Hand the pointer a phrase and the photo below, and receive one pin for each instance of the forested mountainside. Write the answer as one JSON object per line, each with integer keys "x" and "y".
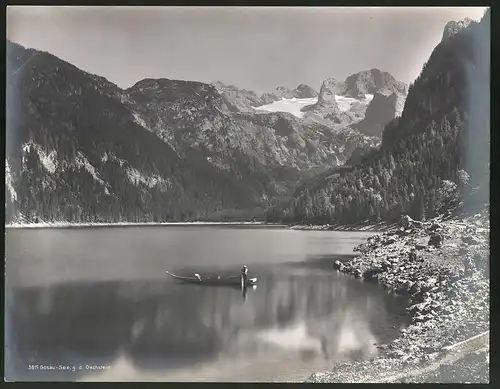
{"x": 81, "y": 149}
{"x": 436, "y": 153}
{"x": 75, "y": 153}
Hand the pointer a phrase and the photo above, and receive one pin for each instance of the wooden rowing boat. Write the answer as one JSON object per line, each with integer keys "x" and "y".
{"x": 215, "y": 280}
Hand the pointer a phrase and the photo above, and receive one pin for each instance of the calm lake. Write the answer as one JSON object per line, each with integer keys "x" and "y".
{"x": 95, "y": 304}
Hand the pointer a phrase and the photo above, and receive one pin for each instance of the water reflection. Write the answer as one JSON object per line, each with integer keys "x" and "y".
{"x": 155, "y": 329}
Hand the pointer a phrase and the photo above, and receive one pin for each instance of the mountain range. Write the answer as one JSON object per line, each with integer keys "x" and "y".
{"x": 339, "y": 104}
{"x": 81, "y": 149}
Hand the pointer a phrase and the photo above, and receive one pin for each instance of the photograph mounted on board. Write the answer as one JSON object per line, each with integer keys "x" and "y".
{"x": 247, "y": 194}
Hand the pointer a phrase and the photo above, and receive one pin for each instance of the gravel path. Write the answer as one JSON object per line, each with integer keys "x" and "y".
{"x": 449, "y": 365}
{"x": 471, "y": 368}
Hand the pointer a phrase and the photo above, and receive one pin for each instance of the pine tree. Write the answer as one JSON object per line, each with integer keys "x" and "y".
{"x": 392, "y": 165}
{"x": 421, "y": 209}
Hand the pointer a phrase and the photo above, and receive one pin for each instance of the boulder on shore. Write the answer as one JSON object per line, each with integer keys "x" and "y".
{"x": 372, "y": 274}
{"x": 435, "y": 240}
{"x": 470, "y": 240}
{"x": 338, "y": 265}
{"x": 435, "y": 226}
{"x": 407, "y": 223}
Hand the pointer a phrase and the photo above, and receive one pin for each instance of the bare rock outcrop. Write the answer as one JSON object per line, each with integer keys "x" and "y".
{"x": 370, "y": 82}
{"x": 381, "y": 110}
{"x": 304, "y": 91}
{"x": 327, "y": 107}
{"x": 454, "y": 27}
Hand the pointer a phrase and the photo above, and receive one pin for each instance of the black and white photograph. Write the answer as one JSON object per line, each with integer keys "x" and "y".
{"x": 247, "y": 194}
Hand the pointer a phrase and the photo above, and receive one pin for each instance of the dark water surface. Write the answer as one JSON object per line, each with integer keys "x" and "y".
{"x": 97, "y": 302}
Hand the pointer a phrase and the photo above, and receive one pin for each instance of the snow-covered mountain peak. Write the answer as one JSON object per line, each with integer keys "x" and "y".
{"x": 295, "y": 106}
{"x": 292, "y": 106}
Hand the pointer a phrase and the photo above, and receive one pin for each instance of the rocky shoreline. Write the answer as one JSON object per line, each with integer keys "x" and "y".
{"x": 368, "y": 226}
{"x": 127, "y": 224}
{"x": 442, "y": 266}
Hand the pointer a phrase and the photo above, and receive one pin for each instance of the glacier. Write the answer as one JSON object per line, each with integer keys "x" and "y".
{"x": 294, "y": 105}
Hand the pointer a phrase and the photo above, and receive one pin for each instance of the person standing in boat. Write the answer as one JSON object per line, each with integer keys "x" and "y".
{"x": 244, "y": 275}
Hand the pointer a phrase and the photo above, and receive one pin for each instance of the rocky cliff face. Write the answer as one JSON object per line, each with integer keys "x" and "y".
{"x": 381, "y": 110}
{"x": 238, "y": 99}
{"x": 268, "y": 98}
{"x": 304, "y": 91}
{"x": 347, "y": 103}
{"x": 182, "y": 113}
{"x": 284, "y": 138}
{"x": 329, "y": 89}
{"x": 371, "y": 82}
{"x": 284, "y": 93}
{"x": 326, "y": 109}
{"x": 454, "y": 27}
{"x": 279, "y": 93}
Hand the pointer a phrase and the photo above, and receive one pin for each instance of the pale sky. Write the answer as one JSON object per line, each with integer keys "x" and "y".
{"x": 256, "y": 48}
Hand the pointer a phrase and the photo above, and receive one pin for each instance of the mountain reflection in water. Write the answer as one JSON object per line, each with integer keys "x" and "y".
{"x": 160, "y": 330}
